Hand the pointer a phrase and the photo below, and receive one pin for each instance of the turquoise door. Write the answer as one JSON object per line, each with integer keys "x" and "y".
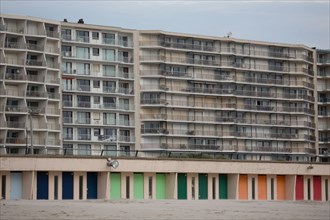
{"x": 182, "y": 186}
{"x": 202, "y": 186}
{"x": 223, "y": 186}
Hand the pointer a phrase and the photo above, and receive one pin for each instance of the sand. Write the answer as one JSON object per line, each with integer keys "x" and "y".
{"x": 163, "y": 209}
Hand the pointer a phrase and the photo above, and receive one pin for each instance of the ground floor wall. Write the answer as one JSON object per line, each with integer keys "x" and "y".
{"x": 151, "y": 179}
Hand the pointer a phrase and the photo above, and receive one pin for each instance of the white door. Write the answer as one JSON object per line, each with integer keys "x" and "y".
{"x": 16, "y": 186}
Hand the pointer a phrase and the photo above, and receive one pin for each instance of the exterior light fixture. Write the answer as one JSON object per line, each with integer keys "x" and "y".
{"x": 112, "y": 163}
{"x": 310, "y": 167}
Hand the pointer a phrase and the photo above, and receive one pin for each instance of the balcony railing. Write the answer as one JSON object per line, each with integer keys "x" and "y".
{"x": 12, "y": 76}
{"x": 15, "y": 124}
{"x": 83, "y": 121}
{"x": 36, "y": 94}
{"x": 34, "y": 47}
{"x": 109, "y": 89}
{"x": 67, "y": 120}
{"x": 35, "y": 63}
{"x": 14, "y": 45}
{"x": 15, "y": 108}
{"x": 36, "y": 78}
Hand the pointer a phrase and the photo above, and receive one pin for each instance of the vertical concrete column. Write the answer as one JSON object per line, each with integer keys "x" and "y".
{"x": 146, "y": 185}
{"x": 290, "y": 187}
{"x": 210, "y": 186}
{"x": 172, "y": 186}
{"x": 103, "y": 185}
{"x": 123, "y": 185}
{"x": 29, "y": 188}
{"x": 269, "y": 187}
{"x": 233, "y": 186}
{"x": 250, "y": 186}
{"x": 5, "y": 185}
{"x": 308, "y": 188}
{"x": 76, "y": 187}
{"x": 51, "y": 191}
{"x": 325, "y": 188}
{"x": 192, "y": 195}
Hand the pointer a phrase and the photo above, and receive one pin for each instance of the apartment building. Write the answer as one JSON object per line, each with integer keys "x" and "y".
{"x": 98, "y": 89}
{"x": 124, "y": 90}
{"x": 30, "y": 93}
{"x": 323, "y": 91}
{"x": 246, "y": 99}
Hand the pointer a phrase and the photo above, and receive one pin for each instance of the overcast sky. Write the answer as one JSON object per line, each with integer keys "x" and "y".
{"x": 284, "y": 21}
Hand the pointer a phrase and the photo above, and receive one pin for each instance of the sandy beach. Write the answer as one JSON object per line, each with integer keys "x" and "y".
{"x": 163, "y": 209}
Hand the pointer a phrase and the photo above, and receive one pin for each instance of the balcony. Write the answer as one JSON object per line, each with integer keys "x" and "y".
{"x": 15, "y": 140}
{"x": 15, "y": 108}
{"x": 53, "y": 95}
{"x": 67, "y": 103}
{"x": 86, "y": 137}
{"x": 16, "y": 124}
{"x": 323, "y": 60}
{"x": 35, "y": 78}
{"x": 52, "y": 34}
{"x": 66, "y": 37}
{"x": 14, "y": 45}
{"x": 85, "y": 88}
{"x": 126, "y": 139}
{"x": 83, "y": 121}
{"x": 67, "y": 120}
{"x": 15, "y": 76}
{"x": 324, "y": 100}
{"x": 68, "y": 136}
{"x": 36, "y": 94}
{"x": 84, "y": 104}
{"x": 125, "y": 59}
{"x": 35, "y": 63}
{"x": 34, "y": 47}
{"x": 84, "y": 39}
{"x": 109, "y": 89}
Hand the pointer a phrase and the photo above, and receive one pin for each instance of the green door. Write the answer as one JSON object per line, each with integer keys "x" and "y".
{"x": 182, "y": 186}
{"x": 138, "y": 186}
{"x": 223, "y": 186}
{"x": 160, "y": 186}
{"x": 202, "y": 186}
{"x": 115, "y": 186}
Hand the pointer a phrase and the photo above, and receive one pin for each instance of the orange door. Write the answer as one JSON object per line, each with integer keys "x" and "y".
{"x": 262, "y": 187}
{"x": 243, "y": 187}
{"x": 280, "y": 187}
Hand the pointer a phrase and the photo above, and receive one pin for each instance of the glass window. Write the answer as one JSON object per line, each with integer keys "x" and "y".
{"x": 109, "y": 118}
{"x": 108, "y": 55}
{"x": 83, "y": 117}
{"x": 97, "y": 132}
{"x": 82, "y": 52}
{"x": 84, "y": 149}
{"x": 95, "y": 35}
{"x": 96, "y": 51}
{"x": 96, "y": 83}
{"x": 97, "y": 99}
{"x": 84, "y": 134}
{"x": 67, "y": 133}
{"x": 68, "y": 149}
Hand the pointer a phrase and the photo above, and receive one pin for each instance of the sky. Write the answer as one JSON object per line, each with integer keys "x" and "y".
{"x": 284, "y": 21}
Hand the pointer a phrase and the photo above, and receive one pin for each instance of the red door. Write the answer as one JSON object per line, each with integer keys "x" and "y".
{"x": 300, "y": 188}
{"x": 317, "y": 188}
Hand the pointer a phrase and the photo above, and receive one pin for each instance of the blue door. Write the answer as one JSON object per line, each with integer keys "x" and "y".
{"x": 16, "y": 185}
{"x": 67, "y": 185}
{"x": 42, "y": 185}
{"x": 91, "y": 185}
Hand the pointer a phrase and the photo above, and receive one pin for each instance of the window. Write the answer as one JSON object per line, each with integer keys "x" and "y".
{"x": 83, "y": 68}
{"x": 108, "y": 55}
{"x": 84, "y": 149}
{"x": 83, "y": 117}
{"x": 109, "y": 70}
{"x": 95, "y": 35}
{"x": 84, "y": 134}
{"x": 109, "y": 118}
{"x": 67, "y": 100}
{"x": 82, "y": 52}
{"x": 96, "y": 99}
{"x": 96, "y": 83}
{"x": 68, "y": 149}
{"x": 108, "y": 38}
{"x": 97, "y": 132}
{"x": 67, "y": 117}
{"x": 68, "y": 133}
{"x": 84, "y": 101}
{"x": 109, "y": 102}
{"x": 109, "y": 86}
{"x": 96, "y": 52}
{"x": 82, "y": 36}
{"x": 83, "y": 85}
